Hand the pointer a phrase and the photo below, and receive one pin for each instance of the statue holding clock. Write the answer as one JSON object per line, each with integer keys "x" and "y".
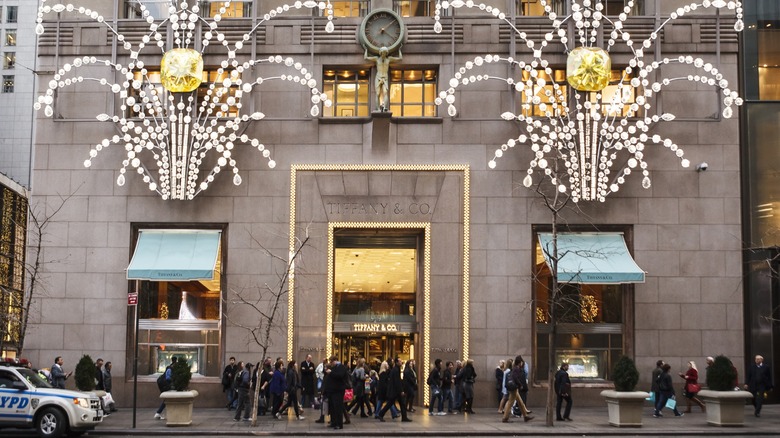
{"x": 382, "y": 34}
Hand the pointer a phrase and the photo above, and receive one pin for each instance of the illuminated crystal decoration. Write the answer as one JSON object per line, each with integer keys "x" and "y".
{"x": 598, "y": 138}
{"x": 181, "y": 70}
{"x": 178, "y": 133}
{"x": 588, "y": 69}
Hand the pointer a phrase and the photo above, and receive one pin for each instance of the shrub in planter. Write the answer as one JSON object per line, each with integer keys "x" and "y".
{"x": 180, "y": 375}
{"x": 721, "y": 375}
{"x": 86, "y": 373}
{"x": 625, "y": 375}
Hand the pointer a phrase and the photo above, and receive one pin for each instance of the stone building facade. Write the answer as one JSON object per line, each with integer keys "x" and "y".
{"x": 360, "y": 182}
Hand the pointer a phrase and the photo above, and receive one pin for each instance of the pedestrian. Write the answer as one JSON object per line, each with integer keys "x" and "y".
{"x": 264, "y": 399}
{"x": 515, "y": 382}
{"x": 338, "y": 381}
{"x": 359, "y": 393}
{"x": 99, "y": 384}
{"x": 468, "y": 378}
{"x": 758, "y": 381}
{"x": 319, "y": 372}
{"x": 278, "y": 386}
{"x": 500, "y": 379}
{"x": 243, "y": 383}
{"x": 458, "y": 385}
{"x": 395, "y": 392}
{"x": 666, "y": 390}
{"x": 293, "y": 383}
{"x": 108, "y": 385}
{"x": 410, "y": 384}
{"x": 508, "y": 364}
{"x": 308, "y": 384}
{"x": 434, "y": 382}
{"x": 654, "y": 382}
{"x": 563, "y": 392}
{"x": 228, "y": 376}
{"x": 381, "y": 390}
{"x": 692, "y": 387}
{"x": 447, "y": 380}
{"x": 164, "y": 384}
{"x": 58, "y": 375}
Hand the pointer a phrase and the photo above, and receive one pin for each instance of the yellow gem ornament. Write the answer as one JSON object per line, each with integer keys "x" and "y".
{"x": 588, "y": 69}
{"x": 181, "y": 70}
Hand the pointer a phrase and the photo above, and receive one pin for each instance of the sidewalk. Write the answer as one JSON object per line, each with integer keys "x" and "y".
{"x": 587, "y": 421}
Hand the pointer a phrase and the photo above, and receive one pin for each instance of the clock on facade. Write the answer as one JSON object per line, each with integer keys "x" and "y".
{"x": 382, "y": 28}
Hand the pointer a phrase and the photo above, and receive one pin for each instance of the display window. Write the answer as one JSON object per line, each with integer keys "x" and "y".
{"x": 591, "y": 322}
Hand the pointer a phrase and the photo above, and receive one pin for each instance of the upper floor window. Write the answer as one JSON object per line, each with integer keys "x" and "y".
{"x": 350, "y": 8}
{"x": 11, "y": 14}
{"x": 209, "y": 77}
{"x": 157, "y": 8}
{"x": 541, "y": 99}
{"x": 534, "y": 8}
{"x": 232, "y": 10}
{"x": 10, "y": 37}
{"x": 348, "y": 90}
{"x": 415, "y": 8}
{"x": 412, "y": 92}
{"x": 9, "y": 60}
{"x": 8, "y": 84}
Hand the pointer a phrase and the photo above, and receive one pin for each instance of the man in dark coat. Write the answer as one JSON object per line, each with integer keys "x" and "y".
{"x": 395, "y": 392}
{"x": 228, "y": 378}
{"x": 338, "y": 374}
{"x": 307, "y": 382}
{"x": 563, "y": 392}
{"x": 759, "y": 380}
{"x": 654, "y": 383}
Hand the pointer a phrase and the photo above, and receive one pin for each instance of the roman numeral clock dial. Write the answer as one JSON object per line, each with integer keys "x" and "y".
{"x": 382, "y": 28}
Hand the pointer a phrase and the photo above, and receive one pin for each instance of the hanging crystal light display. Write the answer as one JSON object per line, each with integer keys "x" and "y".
{"x": 168, "y": 133}
{"x": 598, "y": 147}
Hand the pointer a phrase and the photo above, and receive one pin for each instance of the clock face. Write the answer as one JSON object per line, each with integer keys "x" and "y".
{"x": 382, "y": 28}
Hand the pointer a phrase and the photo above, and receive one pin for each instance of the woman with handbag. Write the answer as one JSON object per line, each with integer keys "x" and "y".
{"x": 692, "y": 387}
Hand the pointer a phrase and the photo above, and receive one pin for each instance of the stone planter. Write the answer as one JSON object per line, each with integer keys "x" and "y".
{"x": 178, "y": 405}
{"x": 625, "y": 408}
{"x": 725, "y": 408}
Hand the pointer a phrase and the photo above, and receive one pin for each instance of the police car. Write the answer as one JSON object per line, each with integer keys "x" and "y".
{"x": 28, "y": 401}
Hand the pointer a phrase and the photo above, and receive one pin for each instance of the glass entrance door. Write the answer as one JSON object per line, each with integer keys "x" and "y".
{"x": 374, "y": 348}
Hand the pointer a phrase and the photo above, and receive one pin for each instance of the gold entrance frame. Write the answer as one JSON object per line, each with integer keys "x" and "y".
{"x": 426, "y": 263}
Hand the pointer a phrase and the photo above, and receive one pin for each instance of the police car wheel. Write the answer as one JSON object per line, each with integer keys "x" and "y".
{"x": 51, "y": 423}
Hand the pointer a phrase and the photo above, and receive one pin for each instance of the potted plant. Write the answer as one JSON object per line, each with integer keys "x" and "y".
{"x": 85, "y": 374}
{"x": 179, "y": 400}
{"x": 725, "y": 402}
{"x": 624, "y": 403}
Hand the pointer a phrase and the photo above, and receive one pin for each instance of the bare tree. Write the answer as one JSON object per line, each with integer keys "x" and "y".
{"x": 15, "y": 318}
{"x": 265, "y": 303}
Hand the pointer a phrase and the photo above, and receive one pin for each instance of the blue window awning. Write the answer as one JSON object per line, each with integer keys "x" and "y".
{"x": 592, "y": 258}
{"x": 174, "y": 255}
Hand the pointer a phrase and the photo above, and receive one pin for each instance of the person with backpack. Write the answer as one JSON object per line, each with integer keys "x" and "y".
{"x": 243, "y": 382}
{"x": 164, "y": 384}
{"x": 515, "y": 383}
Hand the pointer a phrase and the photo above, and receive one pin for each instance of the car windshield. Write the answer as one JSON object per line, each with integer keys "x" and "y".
{"x": 34, "y": 378}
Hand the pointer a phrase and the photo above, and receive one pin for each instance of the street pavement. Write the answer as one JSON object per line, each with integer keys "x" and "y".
{"x": 588, "y": 421}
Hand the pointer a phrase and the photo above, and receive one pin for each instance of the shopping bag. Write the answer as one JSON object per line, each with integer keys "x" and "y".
{"x": 348, "y": 394}
{"x": 671, "y": 403}
{"x": 651, "y": 399}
